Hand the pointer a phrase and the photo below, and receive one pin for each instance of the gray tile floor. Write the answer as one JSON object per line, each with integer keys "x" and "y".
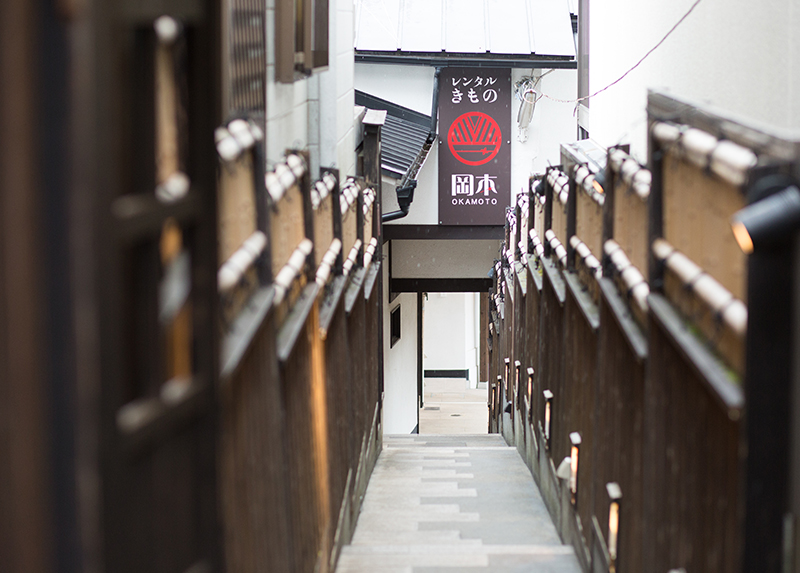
{"x": 451, "y": 407}
{"x": 453, "y": 503}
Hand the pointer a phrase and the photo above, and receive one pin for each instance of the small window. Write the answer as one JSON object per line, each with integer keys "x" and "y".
{"x": 301, "y": 38}
{"x": 394, "y": 325}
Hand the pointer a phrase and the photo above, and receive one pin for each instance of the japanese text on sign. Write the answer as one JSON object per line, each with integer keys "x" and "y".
{"x": 474, "y": 153}
{"x": 476, "y": 89}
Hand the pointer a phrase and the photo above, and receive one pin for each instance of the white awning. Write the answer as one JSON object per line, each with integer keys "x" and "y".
{"x": 492, "y": 27}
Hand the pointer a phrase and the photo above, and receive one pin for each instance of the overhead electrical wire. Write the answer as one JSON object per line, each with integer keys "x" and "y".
{"x": 636, "y": 65}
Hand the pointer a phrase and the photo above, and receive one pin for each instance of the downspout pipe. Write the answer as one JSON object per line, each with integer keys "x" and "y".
{"x": 434, "y": 105}
{"x": 405, "y": 191}
{"x": 405, "y": 195}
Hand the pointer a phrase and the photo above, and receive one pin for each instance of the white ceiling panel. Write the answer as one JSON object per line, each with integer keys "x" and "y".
{"x": 377, "y": 25}
{"x": 465, "y": 28}
{"x": 552, "y": 28}
{"x": 422, "y": 26}
{"x": 508, "y": 27}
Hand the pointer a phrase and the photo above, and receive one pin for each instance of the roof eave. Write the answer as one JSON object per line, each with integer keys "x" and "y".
{"x": 465, "y": 60}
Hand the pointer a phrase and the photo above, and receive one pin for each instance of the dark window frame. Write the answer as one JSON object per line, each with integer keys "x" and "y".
{"x": 395, "y": 319}
{"x": 301, "y": 38}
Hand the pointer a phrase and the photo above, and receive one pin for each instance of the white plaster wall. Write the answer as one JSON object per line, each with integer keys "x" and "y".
{"x": 424, "y": 258}
{"x": 400, "y": 410}
{"x": 445, "y": 331}
{"x": 337, "y": 137}
{"x": 409, "y": 86}
{"x": 451, "y": 334}
{"x": 739, "y": 55}
{"x": 425, "y": 208}
{"x": 471, "y": 333}
{"x": 551, "y": 125}
{"x": 315, "y": 113}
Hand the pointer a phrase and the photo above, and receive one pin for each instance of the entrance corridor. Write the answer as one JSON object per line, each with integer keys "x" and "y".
{"x": 453, "y": 503}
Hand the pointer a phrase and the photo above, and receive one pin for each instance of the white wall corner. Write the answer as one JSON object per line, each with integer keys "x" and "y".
{"x": 583, "y": 116}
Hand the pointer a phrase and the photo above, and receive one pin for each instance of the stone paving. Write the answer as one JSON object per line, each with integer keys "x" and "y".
{"x": 452, "y": 407}
{"x": 453, "y": 503}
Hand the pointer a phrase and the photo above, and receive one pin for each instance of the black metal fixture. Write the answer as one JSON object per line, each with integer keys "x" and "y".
{"x": 768, "y": 221}
{"x": 405, "y": 196}
{"x": 765, "y": 230}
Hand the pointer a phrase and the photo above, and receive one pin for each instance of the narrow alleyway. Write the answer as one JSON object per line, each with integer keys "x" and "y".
{"x": 441, "y": 504}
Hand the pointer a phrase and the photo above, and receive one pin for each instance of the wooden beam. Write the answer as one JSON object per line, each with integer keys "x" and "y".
{"x": 442, "y": 232}
{"x": 441, "y": 285}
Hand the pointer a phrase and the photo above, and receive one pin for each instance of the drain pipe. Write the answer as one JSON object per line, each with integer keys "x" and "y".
{"x": 434, "y": 105}
{"x": 405, "y": 195}
{"x": 405, "y": 191}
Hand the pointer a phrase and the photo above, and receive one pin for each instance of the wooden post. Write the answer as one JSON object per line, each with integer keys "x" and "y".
{"x": 548, "y": 209}
{"x": 420, "y": 358}
{"x": 655, "y": 204}
{"x": 608, "y": 214}
{"x": 373, "y": 121}
{"x": 26, "y": 510}
{"x": 531, "y": 216}
{"x": 264, "y": 264}
{"x": 308, "y": 216}
{"x": 572, "y": 207}
{"x": 337, "y": 216}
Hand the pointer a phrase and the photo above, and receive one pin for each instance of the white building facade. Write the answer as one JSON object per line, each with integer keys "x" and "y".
{"x": 398, "y": 48}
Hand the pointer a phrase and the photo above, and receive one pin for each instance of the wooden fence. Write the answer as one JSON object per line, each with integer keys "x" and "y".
{"x": 620, "y": 309}
{"x": 190, "y": 370}
{"x": 301, "y": 419}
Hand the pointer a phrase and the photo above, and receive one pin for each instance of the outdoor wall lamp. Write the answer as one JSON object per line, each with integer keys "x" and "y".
{"x": 575, "y": 438}
{"x": 507, "y": 374}
{"x": 517, "y": 372}
{"x": 767, "y": 221}
{"x": 615, "y": 497}
{"x": 530, "y": 384}
{"x": 599, "y": 181}
{"x": 548, "y": 407}
{"x": 765, "y": 230}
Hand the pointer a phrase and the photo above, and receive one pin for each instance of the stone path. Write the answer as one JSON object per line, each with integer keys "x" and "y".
{"x": 451, "y": 407}
{"x": 455, "y": 503}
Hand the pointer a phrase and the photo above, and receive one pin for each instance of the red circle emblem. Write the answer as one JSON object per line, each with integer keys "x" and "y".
{"x": 474, "y": 138}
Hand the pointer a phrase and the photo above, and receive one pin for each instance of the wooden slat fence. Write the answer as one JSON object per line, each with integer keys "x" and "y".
{"x": 301, "y": 373}
{"x": 627, "y": 297}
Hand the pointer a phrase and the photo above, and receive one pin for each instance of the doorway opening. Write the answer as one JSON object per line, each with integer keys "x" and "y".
{"x": 453, "y": 395}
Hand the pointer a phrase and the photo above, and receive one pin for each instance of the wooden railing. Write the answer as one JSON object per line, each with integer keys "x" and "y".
{"x": 301, "y": 379}
{"x": 617, "y": 346}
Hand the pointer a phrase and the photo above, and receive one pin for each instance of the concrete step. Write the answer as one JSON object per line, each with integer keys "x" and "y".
{"x": 449, "y": 503}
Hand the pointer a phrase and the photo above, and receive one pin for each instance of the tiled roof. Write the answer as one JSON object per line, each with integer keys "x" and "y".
{"x": 403, "y": 135}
